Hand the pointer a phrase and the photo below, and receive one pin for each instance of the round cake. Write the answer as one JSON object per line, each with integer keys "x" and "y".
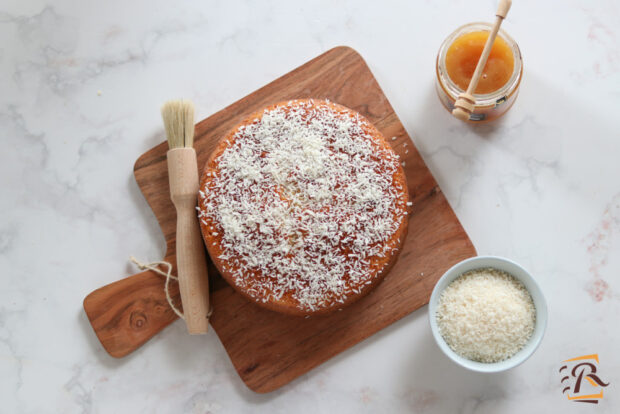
{"x": 303, "y": 207}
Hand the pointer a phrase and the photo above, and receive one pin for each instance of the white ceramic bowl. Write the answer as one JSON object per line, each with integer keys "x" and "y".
{"x": 516, "y": 271}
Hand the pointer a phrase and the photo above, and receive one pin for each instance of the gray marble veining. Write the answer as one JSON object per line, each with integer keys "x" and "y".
{"x": 80, "y": 89}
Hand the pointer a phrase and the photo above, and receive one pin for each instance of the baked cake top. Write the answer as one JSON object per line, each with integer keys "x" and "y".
{"x": 301, "y": 204}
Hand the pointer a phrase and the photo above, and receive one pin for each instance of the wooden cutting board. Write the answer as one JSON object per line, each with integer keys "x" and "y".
{"x": 267, "y": 349}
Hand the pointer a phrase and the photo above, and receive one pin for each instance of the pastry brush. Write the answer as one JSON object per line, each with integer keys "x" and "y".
{"x": 178, "y": 119}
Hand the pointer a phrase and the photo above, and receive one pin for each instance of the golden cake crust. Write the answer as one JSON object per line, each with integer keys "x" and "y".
{"x": 214, "y": 235}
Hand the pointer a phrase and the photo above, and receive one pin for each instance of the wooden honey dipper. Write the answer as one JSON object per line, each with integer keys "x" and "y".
{"x": 466, "y": 103}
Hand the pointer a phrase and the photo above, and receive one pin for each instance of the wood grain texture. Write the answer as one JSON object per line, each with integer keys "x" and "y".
{"x": 127, "y": 313}
{"x": 191, "y": 257}
{"x": 267, "y": 349}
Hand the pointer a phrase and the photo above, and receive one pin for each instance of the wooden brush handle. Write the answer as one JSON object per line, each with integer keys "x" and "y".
{"x": 466, "y": 103}
{"x": 191, "y": 260}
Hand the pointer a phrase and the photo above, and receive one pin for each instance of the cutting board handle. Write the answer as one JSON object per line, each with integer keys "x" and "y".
{"x": 127, "y": 313}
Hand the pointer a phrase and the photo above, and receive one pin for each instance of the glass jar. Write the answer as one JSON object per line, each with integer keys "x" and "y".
{"x": 489, "y": 106}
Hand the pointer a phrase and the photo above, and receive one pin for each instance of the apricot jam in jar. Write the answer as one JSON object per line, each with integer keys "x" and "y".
{"x": 499, "y": 84}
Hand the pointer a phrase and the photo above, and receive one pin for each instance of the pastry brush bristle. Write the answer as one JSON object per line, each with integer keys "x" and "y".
{"x": 178, "y": 118}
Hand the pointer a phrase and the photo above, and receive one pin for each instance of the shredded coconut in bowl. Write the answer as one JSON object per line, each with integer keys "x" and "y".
{"x": 486, "y": 315}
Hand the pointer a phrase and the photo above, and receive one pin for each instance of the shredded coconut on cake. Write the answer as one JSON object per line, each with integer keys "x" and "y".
{"x": 304, "y": 202}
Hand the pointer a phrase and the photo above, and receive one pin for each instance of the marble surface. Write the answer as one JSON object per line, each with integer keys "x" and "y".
{"x": 80, "y": 89}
